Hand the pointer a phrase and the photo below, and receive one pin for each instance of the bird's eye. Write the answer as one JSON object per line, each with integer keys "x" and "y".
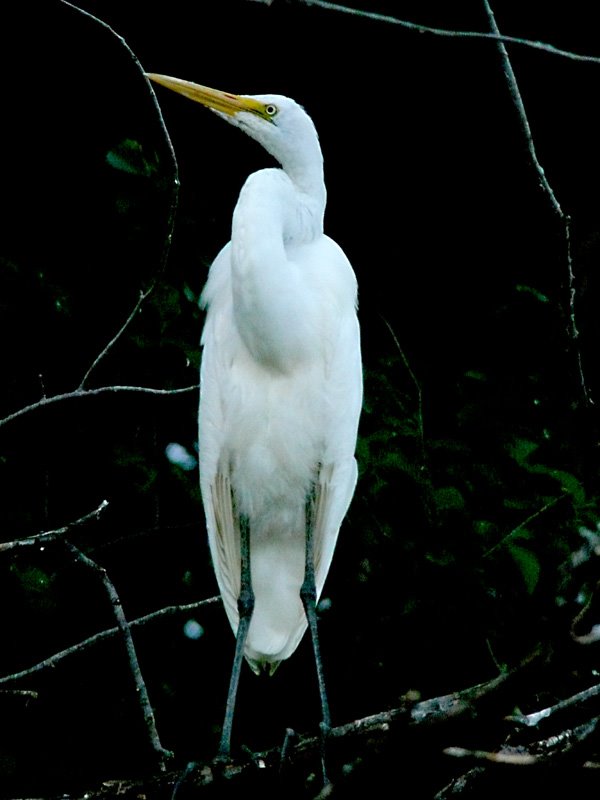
{"x": 271, "y": 110}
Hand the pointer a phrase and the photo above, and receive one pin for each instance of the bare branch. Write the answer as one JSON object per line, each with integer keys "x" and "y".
{"x": 531, "y": 518}
{"x": 170, "y": 223}
{"x": 543, "y": 750}
{"x": 518, "y": 101}
{"x": 368, "y": 732}
{"x": 117, "y": 336}
{"x": 79, "y": 393}
{"x": 505, "y": 756}
{"x": 417, "y": 386}
{"x": 163, "y": 127}
{"x": 425, "y": 473}
{"x": 123, "y": 625}
{"x": 454, "y": 34}
{"x": 28, "y": 694}
{"x": 55, "y": 659}
{"x": 545, "y": 184}
{"x": 577, "y": 702}
{"x": 566, "y": 741}
{"x": 48, "y": 536}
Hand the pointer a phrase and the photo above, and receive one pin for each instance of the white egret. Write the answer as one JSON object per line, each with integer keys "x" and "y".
{"x": 281, "y": 391}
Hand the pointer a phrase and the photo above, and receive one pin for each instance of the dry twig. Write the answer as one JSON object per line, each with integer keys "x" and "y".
{"x": 549, "y": 192}
{"x": 101, "y": 636}
{"x": 81, "y": 391}
{"x": 123, "y": 625}
{"x": 46, "y": 537}
{"x": 453, "y": 34}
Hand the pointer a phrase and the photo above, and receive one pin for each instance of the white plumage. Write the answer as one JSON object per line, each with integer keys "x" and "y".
{"x": 281, "y": 382}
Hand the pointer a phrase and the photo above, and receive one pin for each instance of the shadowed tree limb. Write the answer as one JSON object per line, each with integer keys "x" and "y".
{"x": 49, "y": 536}
{"x": 26, "y": 694}
{"x": 449, "y": 33}
{"x": 80, "y": 393}
{"x": 123, "y": 625}
{"x": 549, "y": 192}
{"x": 117, "y": 336}
{"x": 427, "y": 722}
{"x": 53, "y": 660}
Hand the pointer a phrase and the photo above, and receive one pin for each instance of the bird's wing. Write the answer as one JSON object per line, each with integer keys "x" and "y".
{"x": 221, "y": 520}
{"x": 336, "y": 479}
{"x": 224, "y": 538}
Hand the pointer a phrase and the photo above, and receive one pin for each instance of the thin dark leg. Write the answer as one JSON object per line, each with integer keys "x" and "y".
{"x": 308, "y": 594}
{"x": 290, "y": 735}
{"x": 245, "y": 608}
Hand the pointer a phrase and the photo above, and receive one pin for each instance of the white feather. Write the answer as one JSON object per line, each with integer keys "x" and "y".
{"x": 281, "y": 385}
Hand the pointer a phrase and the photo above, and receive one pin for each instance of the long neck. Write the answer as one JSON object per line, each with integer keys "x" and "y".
{"x": 308, "y": 180}
{"x": 301, "y": 160}
{"x": 272, "y": 219}
{"x": 304, "y": 201}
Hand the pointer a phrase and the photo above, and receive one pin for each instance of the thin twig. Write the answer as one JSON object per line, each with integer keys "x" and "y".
{"x": 372, "y": 729}
{"x": 80, "y": 393}
{"x": 506, "y": 756}
{"x": 170, "y": 222}
{"x": 536, "y": 514}
{"x": 568, "y": 705}
{"x": 515, "y": 94}
{"x": 159, "y": 116}
{"x": 454, "y": 34}
{"x": 544, "y": 750}
{"x": 573, "y": 327}
{"x": 417, "y": 385}
{"x": 425, "y": 474}
{"x": 501, "y": 39}
{"x": 117, "y": 336}
{"x": 48, "y": 536}
{"x": 547, "y": 188}
{"x": 56, "y": 658}
{"x": 140, "y": 686}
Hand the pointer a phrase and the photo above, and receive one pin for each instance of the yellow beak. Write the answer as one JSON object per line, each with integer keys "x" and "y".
{"x": 230, "y": 104}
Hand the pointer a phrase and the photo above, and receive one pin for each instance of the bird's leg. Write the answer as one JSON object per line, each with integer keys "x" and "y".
{"x": 308, "y": 594}
{"x": 245, "y": 609}
{"x": 290, "y": 735}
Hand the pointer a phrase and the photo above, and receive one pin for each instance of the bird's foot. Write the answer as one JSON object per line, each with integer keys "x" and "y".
{"x": 288, "y": 740}
{"x": 182, "y": 779}
{"x": 325, "y": 730}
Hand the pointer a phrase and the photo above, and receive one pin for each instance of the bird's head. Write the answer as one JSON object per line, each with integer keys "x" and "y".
{"x": 278, "y": 123}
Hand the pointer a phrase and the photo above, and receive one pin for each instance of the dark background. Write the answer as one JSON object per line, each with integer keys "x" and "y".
{"x": 455, "y": 560}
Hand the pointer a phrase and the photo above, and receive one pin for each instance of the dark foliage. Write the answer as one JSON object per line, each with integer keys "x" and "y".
{"x": 471, "y": 540}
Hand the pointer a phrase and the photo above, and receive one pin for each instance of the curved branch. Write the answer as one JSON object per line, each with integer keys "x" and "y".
{"x": 79, "y": 393}
{"x": 26, "y": 694}
{"x": 55, "y": 659}
{"x": 117, "y": 336}
{"x": 124, "y": 629}
{"x": 515, "y": 94}
{"x": 48, "y": 536}
{"x": 454, "y": 34}
{"x": 513, "y": 87}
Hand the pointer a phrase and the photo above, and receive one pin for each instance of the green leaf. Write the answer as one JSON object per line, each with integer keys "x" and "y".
{"x": 521, "y": 449}
{"x": 569, "y": 484}
{"x": 32, "y": 579}
{"x": 533, "y": 292}
{"x": 528, "y": 564}
{"x": 448, "y": 498}
{"x": 483, "y": 527}
{"x": 128, "y": 156}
